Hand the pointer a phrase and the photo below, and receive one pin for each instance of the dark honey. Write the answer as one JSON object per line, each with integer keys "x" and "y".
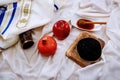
{"x": 81, "y": 24}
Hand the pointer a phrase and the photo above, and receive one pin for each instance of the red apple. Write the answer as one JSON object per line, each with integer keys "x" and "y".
{"x": 47, "y": 46}
{"x": 61, "y": 29}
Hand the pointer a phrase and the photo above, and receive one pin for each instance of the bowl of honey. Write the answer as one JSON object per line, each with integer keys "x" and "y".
{"x": 86, "y": 24}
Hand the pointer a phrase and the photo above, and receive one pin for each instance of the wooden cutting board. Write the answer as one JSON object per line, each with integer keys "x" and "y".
{"x": 72, "y": 53}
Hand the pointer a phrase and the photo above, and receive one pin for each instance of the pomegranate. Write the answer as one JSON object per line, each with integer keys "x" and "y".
{"x": 47, "y": 46}
{"x": 61, "y": 29}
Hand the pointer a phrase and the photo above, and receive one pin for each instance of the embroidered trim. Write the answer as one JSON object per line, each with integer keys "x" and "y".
{"x": 25, "y": 14}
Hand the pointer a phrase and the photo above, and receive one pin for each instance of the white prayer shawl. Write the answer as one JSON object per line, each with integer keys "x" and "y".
{"x": 24, "y": 15}
{"x": 17, "y": 16}
{"x": 4, "y": 2}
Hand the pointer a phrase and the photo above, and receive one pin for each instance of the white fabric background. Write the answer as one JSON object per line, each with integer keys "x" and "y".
{"x": 19, "y": 64}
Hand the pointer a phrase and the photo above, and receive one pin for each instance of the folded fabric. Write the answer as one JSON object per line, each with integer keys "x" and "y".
{"x": 60, "y": 3}
{"x": 4, "y": 2}
{"x": 111, "y": 68}
{"x": 23, "y": 15}
{"x": 4, "y": 44}
{"x": 96, "y": 8}
{"x": 10, "y": 76}
{"x": 113, "y": 27}
{"x": 17, "y": 16}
